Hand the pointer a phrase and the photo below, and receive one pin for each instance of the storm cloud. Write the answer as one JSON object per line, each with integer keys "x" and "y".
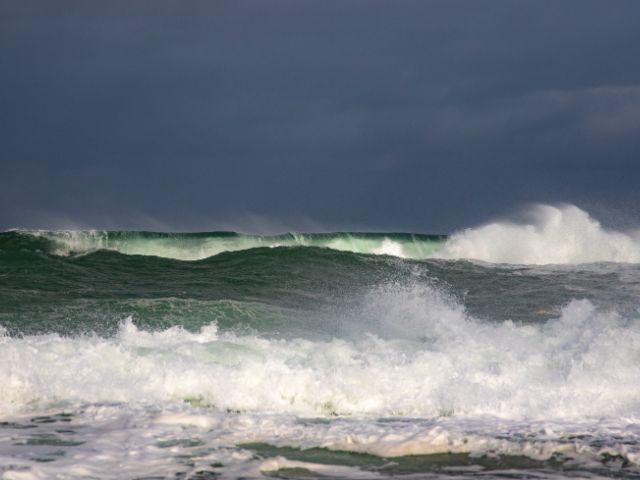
{"x": 398, "y": 115}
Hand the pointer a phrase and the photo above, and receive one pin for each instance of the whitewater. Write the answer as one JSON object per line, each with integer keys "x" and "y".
{"x": 507, "y": 350}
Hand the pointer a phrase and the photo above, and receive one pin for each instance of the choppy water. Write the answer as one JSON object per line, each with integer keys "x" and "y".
{"x": 510, "y": 350}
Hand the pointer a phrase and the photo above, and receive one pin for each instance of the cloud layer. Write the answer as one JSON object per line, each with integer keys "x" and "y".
{"x": 405, "y": 115}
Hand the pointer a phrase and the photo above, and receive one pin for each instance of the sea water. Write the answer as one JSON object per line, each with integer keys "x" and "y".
{"x": 510, "y": 350}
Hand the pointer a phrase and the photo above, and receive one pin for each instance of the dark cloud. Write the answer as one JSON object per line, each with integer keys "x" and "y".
{"x": 403, "y": 115}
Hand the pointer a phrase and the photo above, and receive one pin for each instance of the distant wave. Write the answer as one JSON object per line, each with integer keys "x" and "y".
{"x": 196, "y": 246}
{"x": 562, "y": 234}
{"x": 557, "y": 235}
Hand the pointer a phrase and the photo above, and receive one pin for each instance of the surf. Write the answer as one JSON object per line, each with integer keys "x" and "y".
{"x": 409, "y": 351}
{"x": 550, "y": 234}
{"x": 336, "y": 354}
{"x": 553, "y": 234}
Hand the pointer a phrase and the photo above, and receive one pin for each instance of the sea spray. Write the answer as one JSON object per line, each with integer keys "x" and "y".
{"x": 556, "y": 235}
{"x": 428, "y": 359}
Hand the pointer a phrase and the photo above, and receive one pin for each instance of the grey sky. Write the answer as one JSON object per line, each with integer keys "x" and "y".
{"x": 396, "y": 115}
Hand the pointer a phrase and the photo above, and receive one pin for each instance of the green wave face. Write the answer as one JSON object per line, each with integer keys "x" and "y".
{"x": 289, "y": 290}
{"x": 50, "y": 284}
{"x": 197, "y": 246}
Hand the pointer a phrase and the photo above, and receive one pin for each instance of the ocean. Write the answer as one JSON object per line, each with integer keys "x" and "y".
{"x": 509, "y": 350}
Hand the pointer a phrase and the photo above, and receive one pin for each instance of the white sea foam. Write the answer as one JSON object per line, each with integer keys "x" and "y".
{"x": 128, "y": 441}
{"x": 428, "y": 358}
{"x": 177, "y": 402}
{"x": 389, "y": 247}
{"x": 561, "y": 234}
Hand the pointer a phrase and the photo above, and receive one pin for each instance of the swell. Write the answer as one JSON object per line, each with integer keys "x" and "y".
{"x": 268, "y": 289}
{"x": 288, "y": 291}
{"x": 549, "y": 234}
{"x": 200, "y": 245}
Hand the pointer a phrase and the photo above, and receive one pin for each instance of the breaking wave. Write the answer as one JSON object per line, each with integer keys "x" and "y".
{"x": 561, "y": 234}
{"x": 427, "y": 357}
{"x": 555, "y": 235}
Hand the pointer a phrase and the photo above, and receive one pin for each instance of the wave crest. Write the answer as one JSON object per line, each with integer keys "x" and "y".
{"x": 556, "y": 235}
{"x": 197, "y": 246}
{"x": 562, "y": 234}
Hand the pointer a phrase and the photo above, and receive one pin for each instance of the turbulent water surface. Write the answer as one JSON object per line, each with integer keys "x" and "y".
{"x": 508, "y": 350}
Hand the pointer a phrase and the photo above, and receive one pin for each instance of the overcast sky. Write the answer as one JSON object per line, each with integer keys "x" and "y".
{"x": 420, "y": 116}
